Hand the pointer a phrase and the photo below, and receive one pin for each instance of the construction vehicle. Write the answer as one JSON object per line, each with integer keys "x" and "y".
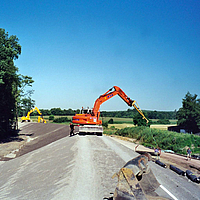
{"x": 89, "y": 118}
{"x": 27, "y": 118}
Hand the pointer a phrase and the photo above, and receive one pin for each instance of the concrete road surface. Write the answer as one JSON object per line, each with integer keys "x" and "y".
{"x": 80, "y": 167}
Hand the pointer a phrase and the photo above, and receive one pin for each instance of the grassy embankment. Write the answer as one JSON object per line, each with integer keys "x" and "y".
{"x": 157, "y": 135}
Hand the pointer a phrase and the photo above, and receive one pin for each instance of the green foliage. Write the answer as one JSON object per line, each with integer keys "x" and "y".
{"x": 11, "y": 84}
{"x": 138, "y": 120}
{"x": 9, "y": 51}
{"x": 189, "y": 115}
{"x": 60, "y": 112}
{"x": 130, "y": 113}
{"x": 109, "y": 131}
{"x": 51, "y": 117}
{"x": 110, "y": 121}
{"x": 177, "y": 142}
{"x": 61, "y": 120}
{"x": 105, "y": 124}
{"x": 25, "y": 103}
{"x": 163, "y": 121}
{"x": 9, "y": 81}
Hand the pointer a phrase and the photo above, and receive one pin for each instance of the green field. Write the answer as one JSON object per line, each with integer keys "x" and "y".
{"x": 118, "y": 123}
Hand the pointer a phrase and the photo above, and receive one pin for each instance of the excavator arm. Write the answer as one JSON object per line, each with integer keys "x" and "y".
{"x": 111, "y": 93}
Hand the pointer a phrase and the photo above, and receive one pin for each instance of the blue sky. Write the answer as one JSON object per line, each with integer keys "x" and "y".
{"x": 77, "y": 50}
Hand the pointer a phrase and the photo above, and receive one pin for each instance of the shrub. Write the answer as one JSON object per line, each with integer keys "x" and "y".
{"x": 61, "y": 120}
{"x": 105, "y": 124}
{"x": 163, "y": 121}
{"x": 110, "y": 121}
{"x": 51, "y": 117}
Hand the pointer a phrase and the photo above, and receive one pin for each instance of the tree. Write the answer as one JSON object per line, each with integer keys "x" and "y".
{"x": 10, "y": 81}
{"x": 24, "y": 101}
{"x": 9, "y": 51}
{"x": 189, "y": 115}
{"x": 138, "y": 120}
{"x": 110, "y": 121}
{"x": 51, "y": 117}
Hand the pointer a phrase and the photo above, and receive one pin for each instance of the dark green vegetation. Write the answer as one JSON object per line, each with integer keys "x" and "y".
{"x": 12, "y": 84}
{"x": 51, "y": 117}
{"x": 61, "y": 120}
{"x": 189, "y": 115}
{"x": 178, "y": 142}
{"x": 130, "y": 113}
{"x": 57, "y": 112}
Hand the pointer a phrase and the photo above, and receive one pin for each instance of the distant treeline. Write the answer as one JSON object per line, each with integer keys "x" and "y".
{"x": 130, "y": 113}
{"x": 53, "y": 111}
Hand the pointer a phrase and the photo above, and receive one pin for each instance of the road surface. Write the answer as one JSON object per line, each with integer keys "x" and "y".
{"x": 80, "y": 167}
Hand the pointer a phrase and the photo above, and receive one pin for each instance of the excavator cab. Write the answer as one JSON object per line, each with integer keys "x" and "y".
{"x": 86, "y": 110}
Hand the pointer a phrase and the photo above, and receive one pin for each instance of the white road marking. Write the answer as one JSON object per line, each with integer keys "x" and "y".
{"x": 168, "y": 192}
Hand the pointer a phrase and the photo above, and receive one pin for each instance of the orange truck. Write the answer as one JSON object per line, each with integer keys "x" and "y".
{"x": 89, "y": 118}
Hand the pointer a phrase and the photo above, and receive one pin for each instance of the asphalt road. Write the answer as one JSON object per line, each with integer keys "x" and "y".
{"x": 80, "y": 167}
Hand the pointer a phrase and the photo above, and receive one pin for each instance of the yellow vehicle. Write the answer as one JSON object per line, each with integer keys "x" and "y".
{"x": 27, "y": 118}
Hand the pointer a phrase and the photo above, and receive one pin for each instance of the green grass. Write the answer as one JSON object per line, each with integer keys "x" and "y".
{"x": 178, "y": 142}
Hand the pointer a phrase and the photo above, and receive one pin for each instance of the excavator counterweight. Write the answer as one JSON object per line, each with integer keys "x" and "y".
{"x": 89, "y": 119}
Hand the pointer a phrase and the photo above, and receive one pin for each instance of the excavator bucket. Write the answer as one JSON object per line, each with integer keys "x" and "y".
{"x": 136, "y": 181}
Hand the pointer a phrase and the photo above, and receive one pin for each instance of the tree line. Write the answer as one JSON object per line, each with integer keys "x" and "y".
{"x": 52, "y": 111}
{"x": 130, "y": 113}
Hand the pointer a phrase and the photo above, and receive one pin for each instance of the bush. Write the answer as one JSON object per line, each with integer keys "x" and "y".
{"x": 105, "y": 124}
{"x": 163, "y": 121}
{"x": 61, "y": 120}
{"x": 51, "y": 117}
{"x": 110, "y": 121}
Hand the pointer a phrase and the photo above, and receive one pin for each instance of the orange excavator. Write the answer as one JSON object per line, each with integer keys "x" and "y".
{"x": 89, "y": 118}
